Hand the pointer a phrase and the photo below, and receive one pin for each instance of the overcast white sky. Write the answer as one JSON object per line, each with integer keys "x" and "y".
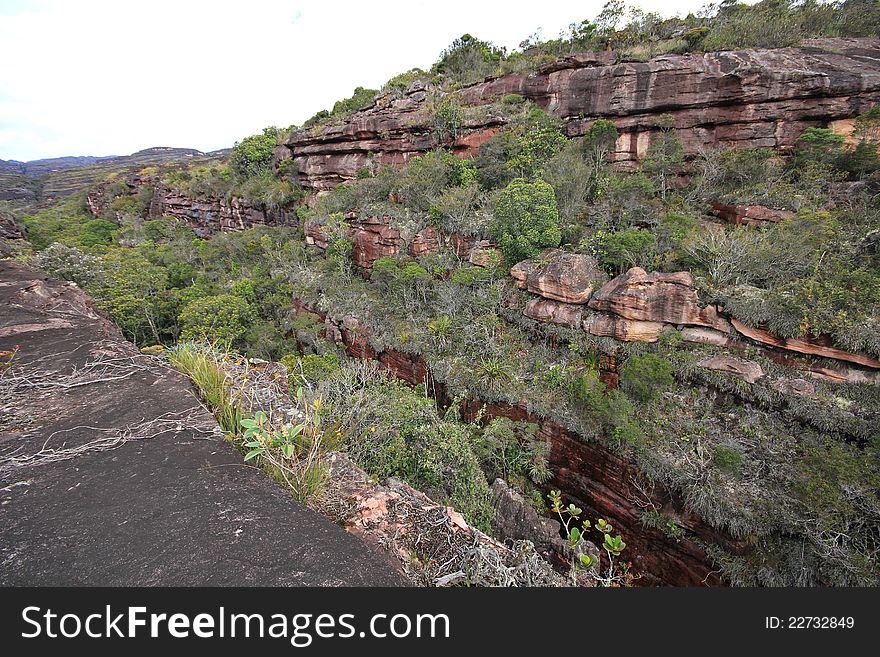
{"x": 110, "y": 77}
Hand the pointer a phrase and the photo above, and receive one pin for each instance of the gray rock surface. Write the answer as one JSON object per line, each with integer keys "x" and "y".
{"x": 112, "y": 473}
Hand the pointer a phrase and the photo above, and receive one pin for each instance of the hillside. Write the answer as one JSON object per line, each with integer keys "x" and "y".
{"x": 52, "y": 179}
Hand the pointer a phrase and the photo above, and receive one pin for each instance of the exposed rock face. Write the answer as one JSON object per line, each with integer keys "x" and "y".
{"x": 702, "y": 335}
{"x": 811, "y": 346}
{"x": 555, "y": 312}
{"x": 628, "y": 330}
{"x": 561, "y": 276}
{"x": 404, "y": 522}
{"x": 206, "y": 214}
{"x": 747, "y": 98}
{"x": 799, "y": 387}
{"x": 749, "y": 215}
{"x": 516, "y": 519}
{"x": 655, "y": 297}
{"x": 424, "y": 242}
{"x": 8, "y": 227}
{"x": 745, "y": 370}
{"x": 372, "y": 239}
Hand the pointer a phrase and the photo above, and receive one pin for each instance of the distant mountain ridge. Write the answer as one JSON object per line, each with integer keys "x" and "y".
{"x": 56, "y": 177}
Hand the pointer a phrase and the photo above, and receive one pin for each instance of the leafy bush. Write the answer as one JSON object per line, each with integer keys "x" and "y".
{"x": 617, "y": 252}
{"x": 358, "y": 100}
{"x": 525, "y": 219}
{"x": 448, "y": 119}
{"x": 252, "y": 156}
{"x": 468, "y": 60}
{"x": 223, "y": 318}
{"x": 645, "y": 376}
{"x": 69, "y": 263}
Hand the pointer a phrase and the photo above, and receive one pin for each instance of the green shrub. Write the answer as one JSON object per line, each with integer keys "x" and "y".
{"x": 643, "y": 377}
{"x": 360, "y": 99}
{"x": 448, "y": 119}
{"x": 617, "y": 252}
{"x": 727, "y": 459}
{"x": 468, "y": 60}
{"x": 525, "y": 219}
{"x": 223, "y": 318}
{"x": 310, "y": 369}
{"x": 252, "y": 156}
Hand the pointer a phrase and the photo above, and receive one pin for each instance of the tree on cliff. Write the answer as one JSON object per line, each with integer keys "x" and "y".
{"x": 525, "y": 219}
{"x": 252, "y": 155}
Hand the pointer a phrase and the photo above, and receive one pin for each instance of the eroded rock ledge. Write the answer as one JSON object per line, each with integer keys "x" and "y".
{"x": 747, "y": 98}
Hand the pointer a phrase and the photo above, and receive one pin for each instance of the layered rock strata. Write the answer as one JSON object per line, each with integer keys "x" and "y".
{"x": 752, "y": 98}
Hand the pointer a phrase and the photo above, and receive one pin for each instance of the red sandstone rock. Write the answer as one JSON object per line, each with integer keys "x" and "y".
{"x": 811, "y": 346}
{"x": 315, "y": 234}
{"x": 702, "y": 335}
{"x": 656, "y": 297}
{"x": 411, "y": 369}
{"x": 373, "y": 239}
{"x": 555, "y": 312}
{"x": 424, "y": 242}
{"x": 746, "y": 98}
{"x": 485, "y": 253}
{"x": 561, "y": 276}
{"x": 745, "y": 370}
{"x": 750, "y": 214}
{"x": 628, "y": 330}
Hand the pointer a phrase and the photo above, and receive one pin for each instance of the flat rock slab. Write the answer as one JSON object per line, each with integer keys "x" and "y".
{"x": 112, "y": 473}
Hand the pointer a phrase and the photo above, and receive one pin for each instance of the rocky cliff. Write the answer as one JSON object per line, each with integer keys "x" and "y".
{"x": 206, "y": 214}
{"x": 748, "y": 98}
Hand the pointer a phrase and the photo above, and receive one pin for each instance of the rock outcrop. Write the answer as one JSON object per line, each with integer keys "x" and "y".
{"x": 402, "y": 521}
{"x": 206, "y": 214}
{"x": 560, "y": 276}
{"x": 742, "y": 369}
{"x": 749, "y": 215}
{"x": 746, "y": 98}
{"x": 555, "y": 312}
{"x": 656, "y": 297}
{"x": 811, "y": 346}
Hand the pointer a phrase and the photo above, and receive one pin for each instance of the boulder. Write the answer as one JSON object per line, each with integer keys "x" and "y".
{"x": 742, "y": 369}
{"x": 656, "y": 297}
{"x": 749, "y": 214}
{"x": 516, "y": 520}
{"x": 628, "y": 330}
{"x": 798, "y": 387}
{"x": 555, "y": 312}
{"x": 561, "y": 276}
